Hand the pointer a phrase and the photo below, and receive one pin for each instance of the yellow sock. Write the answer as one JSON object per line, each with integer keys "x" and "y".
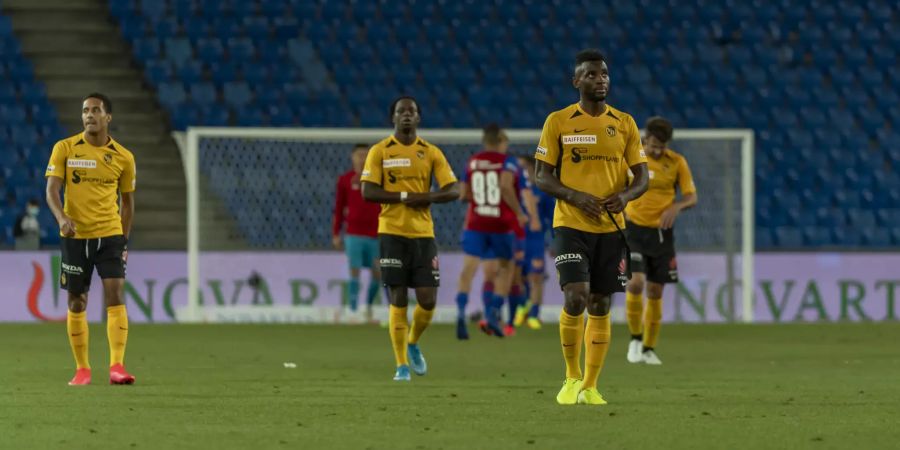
{"x": 77, "y": 328}
{"x": 571, "y": 330}
{"x": 596, "y": 343}
{"x": 421, "y": 320}
{"x": 398, "y": 324}
{"x": 117, "y": 332}
{"x": 652, "y": 322}
{"x": 634, "y": 309}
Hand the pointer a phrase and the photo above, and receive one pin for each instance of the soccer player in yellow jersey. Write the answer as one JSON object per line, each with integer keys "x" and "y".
{"x": 94, "y": 169}
{"x": 582, "y": 160}
{"x": 398, "y": 174}
{"x": 652, "y": 240}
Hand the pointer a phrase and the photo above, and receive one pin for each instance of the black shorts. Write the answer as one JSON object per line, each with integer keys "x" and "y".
{"x": 410, "y": 262}
{"x": 597, "y": 258}
{"x": 653, "y": 253}
{"x": 80, "y": 256}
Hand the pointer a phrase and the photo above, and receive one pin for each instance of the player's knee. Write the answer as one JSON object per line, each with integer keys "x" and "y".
{"x": 635, "y": 285}
{"x": 397, "y": 296}
{"x": 426, "y": 298}
{"x": 576, "y": 299}
{"x": 427, "y": 304}
{"x": 599, "y": 305}
{"x": 77, "y": 302}
{"x": 654, "y": 290}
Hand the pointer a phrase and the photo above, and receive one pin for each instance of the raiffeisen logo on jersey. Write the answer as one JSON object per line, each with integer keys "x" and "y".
{"x": 579, "y": 139}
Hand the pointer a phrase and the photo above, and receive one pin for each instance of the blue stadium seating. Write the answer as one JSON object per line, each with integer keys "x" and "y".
{"x": 817, "y": 81}
{"x": 30, "y": 128}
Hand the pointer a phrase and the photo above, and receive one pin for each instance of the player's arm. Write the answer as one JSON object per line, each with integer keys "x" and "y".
{"x": 373, "y": 192}
{"x": 56, "y": 173}
{"x": 508, "y": 194}
{"x": 465, "y": 191}
{"x": 547, "y": 181}
{"x": 54, "y": 201}
{"x": 337, "y": 223}
{"x": 127, "y": 184}
{"x": 531, "y": 207}
{"x": 637, "y": 162}
{"x": 447, "y": 193}
{"x": 688, "y": 196}
{"x": 445, "y": 178}
{"x": 127, "y": 213}
{"x": 616, "y": 203}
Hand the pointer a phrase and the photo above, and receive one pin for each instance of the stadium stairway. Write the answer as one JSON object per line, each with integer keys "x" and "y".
{"x": 76, "y": 49}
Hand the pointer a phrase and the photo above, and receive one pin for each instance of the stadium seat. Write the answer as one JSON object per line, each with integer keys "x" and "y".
{"x": 178, "y": 51}
{"x": 740, "y": 69}
{"x": 237, "y": 95}
{"x": 203, "y": 94}
{"x": 817, "y": 236}
{"x": 789, "y": 237}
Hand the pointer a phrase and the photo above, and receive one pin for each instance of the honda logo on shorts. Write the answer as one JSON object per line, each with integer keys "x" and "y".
{"x": 568, "y": 258}
{"x": 390, "y": 262}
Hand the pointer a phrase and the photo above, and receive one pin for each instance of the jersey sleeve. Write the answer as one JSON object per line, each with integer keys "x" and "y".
{"x": 373, "y": 167}
{"x": 511, "y": 164}
{"x": 57, "y": 165}
{"x": 548, "y": 147}
{"x": 634, "y": 150}
{"x": 443, "y": 173}
{"x": 128, "y": 179}
{"x": 685, "y": 179}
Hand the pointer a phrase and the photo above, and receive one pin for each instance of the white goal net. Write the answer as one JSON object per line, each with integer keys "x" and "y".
{"x": 260, "y": 213}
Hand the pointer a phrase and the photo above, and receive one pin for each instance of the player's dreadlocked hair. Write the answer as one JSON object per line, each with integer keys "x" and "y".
{"x": 659, "y": 128}
{"x": 493, "y": 135}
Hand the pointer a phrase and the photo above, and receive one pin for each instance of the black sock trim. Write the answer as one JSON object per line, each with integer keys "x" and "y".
{"x": 637, "y": 337}
{"x": 647, "y": 349}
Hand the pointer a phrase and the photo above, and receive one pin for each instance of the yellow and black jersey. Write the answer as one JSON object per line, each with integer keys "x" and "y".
{"x": 410, "y": 168}
{"x": 670, "y": 170}
{"x": 591, "y": 154}
{"x": 93, "y": 178}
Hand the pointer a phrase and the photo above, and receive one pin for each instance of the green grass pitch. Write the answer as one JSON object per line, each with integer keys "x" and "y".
{"x": 225, "y": 386}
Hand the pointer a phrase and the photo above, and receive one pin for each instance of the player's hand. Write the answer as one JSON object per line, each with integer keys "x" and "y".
{"x": 418, "y": 200}
{"x": 615, "y": 203}
{"x": 66, "y": 226}
{"x": 667, "y": 218}
{"x": 523, "y": 219}
{"x": 534, "y": 225}
{"x": 337, "y": 242}
{"x": 586, "y": 202}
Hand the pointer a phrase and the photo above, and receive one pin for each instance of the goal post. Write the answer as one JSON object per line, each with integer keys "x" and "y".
{"x": 747, "y": 206}
{"x": 220, "y": 161}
